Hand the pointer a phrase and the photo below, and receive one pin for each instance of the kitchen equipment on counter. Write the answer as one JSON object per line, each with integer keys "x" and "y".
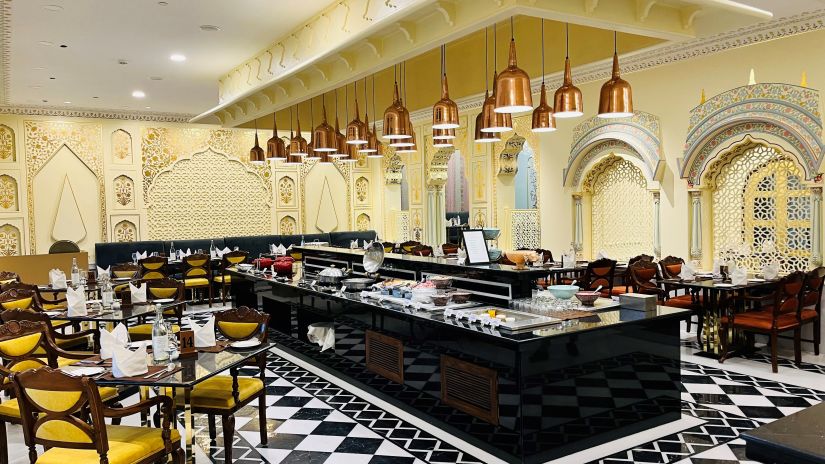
{"x": 245, "y": 267}
{"x": 460, "y": 297}
{"x": 441, "y": 282}
{"x": 357, "y": 284}
{"x": 440, "y": 299}
{"x": 503, "y": 319}
{"x": 283, "y": 265}
{"x": 373, "y": 259}
{"x": 332, "y": 275}
{"x": 563, "y": 292}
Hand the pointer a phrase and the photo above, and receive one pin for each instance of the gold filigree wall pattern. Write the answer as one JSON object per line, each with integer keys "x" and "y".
{"x": 508, "y": 157}
{"x": 8, "y": 193}
{"x": 125, "y": 231}
{"x": 122, "y": 147}
{"x": 362, "y": 223}
{"x": 286, "y": 191}
{"x": 124, "y": 189}
{"x": 522, "y": 125}
{"x": 42, "y": 139}
{"x": 622, "y": 210}
{"x": 7, "y": 146}
{"x": 287, "y": 226}
{"x": 206, "y": 195}
{"x": 10, "y": 241}
{"x": 479, "y": 219}
{"x": 362, "y": 189}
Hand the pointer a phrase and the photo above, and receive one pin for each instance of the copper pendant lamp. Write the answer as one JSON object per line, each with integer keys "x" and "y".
{"x": 292, "y": 159}
{"x": 490, "y": 120}
{"x": 443, "y": 134}
{"x": 352, "y": 154}
{"x": 445, "y": 111}
{"x": 543, "y": 120}
{"x": 370, "y": 146}
{"x": 374, "y": 144}
{"x": 616, "y": 97}
{"x": 298, "y": 144}
{"x": 356, "y": 129}
{"x": 340, "y": 139}
{"x": 256, "y": 154}
{"x": 396, "y": 116}
{"x": 412, "y": 147}
{"x": 324, "y": 135}
{"x": 512, "y": 91}
{"x": 407, "y": 142}
{"x": 568, "y": 98}
{"x": 275, "y": 149}
{"x": 311, "y": 155}
{"x": 484, "y": 137}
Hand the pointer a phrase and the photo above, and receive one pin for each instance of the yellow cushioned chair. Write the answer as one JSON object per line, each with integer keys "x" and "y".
{"x": 197, "y": 273}
{"x": 153, "y": 267}
{"x": 229, "y": 261}
{"x": 161, "y": 289}
{"x": 50, "y": 401}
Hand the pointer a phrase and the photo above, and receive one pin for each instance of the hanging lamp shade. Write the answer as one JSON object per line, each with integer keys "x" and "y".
{"x": 492, "y": 121}
{"x": 543, "y": 120}
{"x": 407, "y": 142}
{"x": 512, "y": 89}
{"x": 395, "y": 118}
{"x": 324, "y": 139}
{"x": 369, "y": 147}
{"x": 351, "y": 154}
{"x": 445, "y": 111}
{"x": 292, "y": 160}
{"x": 413, "y": 146}
{"x": 375, "y": 145}
{"x": 298, "y": 144}
{"x": 256, "y": 154}
{"x": 616, "y": 97}
{"x": 443, "y": 134}
{"x": 356, "y": 129}
{"x": 275, "y": 147}
{"x": 568, "y": 98}
{"x": 484, "y": 137}
{"x": 311, "y": 154}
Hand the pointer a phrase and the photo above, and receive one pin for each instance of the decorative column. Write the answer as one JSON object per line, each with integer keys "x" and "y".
{"x": 657, "y": 233}
{"x": 816, "y": 226}
{"x": 578, "y": 227}
{"x": 696, "y": 225}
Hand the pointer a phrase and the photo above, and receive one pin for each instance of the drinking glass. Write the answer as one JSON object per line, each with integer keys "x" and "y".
{"x": 173, "y": 340}
{"x": 135, "y": 257}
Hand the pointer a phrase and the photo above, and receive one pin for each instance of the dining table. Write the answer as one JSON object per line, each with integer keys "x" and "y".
{"x": 718, "y": 299}
{"x": 181, "y": 376}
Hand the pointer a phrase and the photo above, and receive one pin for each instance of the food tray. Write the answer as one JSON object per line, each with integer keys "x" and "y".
{"x": 523, "y": 321}
{"x": 416, "y": 304}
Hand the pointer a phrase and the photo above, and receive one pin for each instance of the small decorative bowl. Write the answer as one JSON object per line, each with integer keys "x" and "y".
{"x": 245, "y": 267}
{"x": 441, "y": 282}
{"x": 563, "y": 292}
{"x": 460, "y": 297}
{"x": 588, "y": 298}
{"x": 441, "y": 300}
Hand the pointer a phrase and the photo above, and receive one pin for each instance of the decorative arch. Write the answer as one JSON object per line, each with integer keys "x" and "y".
{"x": 7, "y": 148}
{"x": 121, "y": 146}
{"x": 780, "y": 114}
{"x": 637, "y": 139}
{"x": 8, "y": 193}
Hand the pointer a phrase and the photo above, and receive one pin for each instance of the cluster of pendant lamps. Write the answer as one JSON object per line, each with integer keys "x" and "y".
{"x": 511, "y": 94}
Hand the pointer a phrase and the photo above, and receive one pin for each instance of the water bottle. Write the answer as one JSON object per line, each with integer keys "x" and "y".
{"x": 107, "y": 294}
{"x": 75, "y": 273}
{"x": 212, "y": 251}
{"x": 302, "y": 241}
{"x": 160, "y": 337}
{"x": 172, "y": 250}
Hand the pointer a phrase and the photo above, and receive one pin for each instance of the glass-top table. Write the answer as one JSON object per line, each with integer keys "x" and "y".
{"x": 126, "y": 313}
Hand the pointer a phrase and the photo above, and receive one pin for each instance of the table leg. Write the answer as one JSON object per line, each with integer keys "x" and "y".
{"x": 189, "y": 425}
{"x": 144, "y": 395}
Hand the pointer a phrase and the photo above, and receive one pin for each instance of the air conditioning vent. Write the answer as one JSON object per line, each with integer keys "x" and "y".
{"x": 470, "y": 388}
{"x": 385, "y": 356}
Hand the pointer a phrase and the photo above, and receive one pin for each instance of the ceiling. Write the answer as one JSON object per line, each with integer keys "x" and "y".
{"x": 144, "y": 33}
{"x": 99, "y": 33}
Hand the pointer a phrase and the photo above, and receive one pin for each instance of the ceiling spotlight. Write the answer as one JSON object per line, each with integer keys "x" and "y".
{"x": 45, "y": 101}
{"x": 177, "y": 57}
{"x": 209, "y": 28}
{"x": 148, "y": 107}
{"x": 138, "y": 94}
{"x": 163, "y": 3}
{"x": 53, "y": 8}
{"x": 35, "y": 86}
{"x": 122, "y": 62}
{"x": 52, "y": 78}
{"x": 64, "y": 46}
{"x": 95, "y": 97}
{"x": 67, "y": 103}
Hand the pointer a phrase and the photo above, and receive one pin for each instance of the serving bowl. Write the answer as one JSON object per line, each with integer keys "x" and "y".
{"x": 441, "y": 282}
{"x": 490, "y": 233}
{"x": 441, "y": 299}
{"x": 243, "y": 267}
{"x": 588, "y": 298}
{"x": 563, "y": 292}
{"x": 460, "y": 297}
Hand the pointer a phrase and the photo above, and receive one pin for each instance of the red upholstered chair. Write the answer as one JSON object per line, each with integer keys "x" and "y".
{"x": 626, "y": 284}
{"x": 599, "y": 272}
{"x": 671, "y": 266}
{"x": 782, "y": 315}
{"x": 812, "y": 303}
{"x": 643, "y": 277}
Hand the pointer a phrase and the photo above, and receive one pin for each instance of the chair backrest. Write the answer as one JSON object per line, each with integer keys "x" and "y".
{"x": 196, "y": 265}
{"x": 7, "y": 277}
{"x": 153, "y": 267}
{"x": 10, "y": 315}
{"x": 600, "y": 272}
{"x": 450, "y": 248}
{"x": 671, "y": 267}
{"x": 787, "y": 296}
{"x": 407, "y": 247}
{"x": 233, "y": 258}
{"x": 120, "y": 271}
{"x": 812, "y": 293}
{"x": 422, "y": 250}
{"x": 643, "y": 275}
{"x": 50, "y": 401}
{"x": 164, "y": 288}
{"x": 64, "y": 246}
{"x": 242, "y": 323}
{"x": 18, "y": 298}
{"x": 388, "y": 247}
{"x": 19, "y": 340}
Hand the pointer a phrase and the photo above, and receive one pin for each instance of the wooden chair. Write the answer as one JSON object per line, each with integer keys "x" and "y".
{"x": 19, "y": 298}
{"x": 7, "y": 277}
{"x": 41, "y": 302}
{"x": 65, "y": 341}
{"x": 407, "y": 247}
{"x": 153, "y": 267}
{"x": 64, "y": 246}
{"x": 229, "y": 261}
{"x": 626, "y": 281}
{"x": 197, "y": 273}
{"x": 599, "y": 272}
{"x": 50, "y": 402}
{"x": 449, "y": 248}
{"x": 121, "y": 271}
{"x": 224, "y": 395}
{"x": 671, "y": 266}
{"x": 389, "y": 247}
{"x": 811, "y": 312}
{"x": 20, "y": 342}
{"x": 156, "y": 290}
{"x": 643, "y": 276}
{"x": 782, "y": 315}
{"x": 422, "y": 250}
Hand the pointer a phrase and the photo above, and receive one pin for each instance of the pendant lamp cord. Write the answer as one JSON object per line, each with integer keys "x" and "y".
{"x": 336, "y": 103}
{"x": 346, "y": 102}
{"x": 495, "y": 49}
{"x": 374, "y": 114}
{"x": 567, "y": 40}
{"x": 542, "y": 50}
{"x": 486, "y": 53}
{"x": 311, "y": 116}
{"x": 615, "y": 44}
{"x": 291, "y": 127}
{"x": 512, "y": 34}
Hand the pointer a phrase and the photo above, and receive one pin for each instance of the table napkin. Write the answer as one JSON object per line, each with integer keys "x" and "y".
{"x": 57, "y": 278}
{"x": 204, "y": 334}
{"x": 367, "y": 244}
{"x": 462, "y": 256}
{"x": 272, "y": 248}
{"x": 281, "y": 250}
{"x": 76, "y": 300}
{"x": 103, "y": 272}
{"x": 322, "y": 333}
{"x": 143, "y": 255}
{"x": 438, "y": 252}
{"x": 353, "y": 244}
{"x": 687, "y": 272}
{"x": 119, "y": 336}
{"x": 126, "y": 363}
{"x": 138, "y": 293}
{"x": 602, "y": 255}
{"x": 739, "y": 277}
{"x": 770, "y": 271}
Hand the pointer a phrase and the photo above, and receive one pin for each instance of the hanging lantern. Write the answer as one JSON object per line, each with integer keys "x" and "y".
{"x": 443, "y": 134}
{"x": 568, "y": 98}
{"x": 445, "y": 111}
{"x": 275, "y": 147}
{"x": 543, "y": 120}
{"x": 412, "y": 147}
{"x": 484, "y": 137}
{"x": 292, "y": 159}
{"x": 370, "y": 147}
{"x": 311, "y": 155}
{"x": 396, "y": 117}
{"x": 324, "y": 135}
{"x": 298, "y": 144}
{"x": 492, "y": 121}
{"x": 356, "y": 129}
{"x": 256, "y": 154}
{"x": 340, "y": 139}
{"x": 512, "y": 91}
{"x": 616, "y": 97}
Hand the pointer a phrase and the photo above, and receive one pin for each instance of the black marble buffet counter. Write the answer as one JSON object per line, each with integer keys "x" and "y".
{"x": 525, "y": 397}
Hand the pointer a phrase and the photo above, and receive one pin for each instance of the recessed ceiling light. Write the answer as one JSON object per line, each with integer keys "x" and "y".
{"x": 122, "y": 62}
{"x": 35, "y": 86}
{"x": 95, "y": 97}
{"x": 177, "y": 57}
{"x": 46, "y": 43}
{"x": 67, "y": 102}
{"x": 52, "y": 7}
{"x": 209, "y": 28}
{"x": 155, "y": 78}
{"x": 138, "y": 94}
{"x": 45, "y": 101}
{"x": 148, "y": 107}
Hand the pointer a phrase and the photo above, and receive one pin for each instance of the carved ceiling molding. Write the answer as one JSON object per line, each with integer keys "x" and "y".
{"x": 90, "y": 113}
{"x": 5, "y": 53}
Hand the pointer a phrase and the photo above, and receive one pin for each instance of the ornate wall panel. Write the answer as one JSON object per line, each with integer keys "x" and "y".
{"x": 416, "y": 225}
{"x": 362, "y": 191}
{"x": 758, "y": 195}
{"x": 392, "y": 166}
{"x": 286, "y": 192}
{"x": 287, "y": 225}
{"x": 416, "y": 184}
{"x": 8, "y": 153}
{"x": 8, "y": 193}
{"x": 121, "y": 147}
{"x": 362, "y": 222}
{"x": 479, "y": 219}
{"x": 780, "y": 111}
{"x": 199, "y": 197}
{"x": 124, "y": 191}
{"x": 11, "y": 240}
{"x": 622, "y": 209}
{"x": 525, "y": 229}
{"x": 479, "y": 180}
{"x": 125, "y": 231}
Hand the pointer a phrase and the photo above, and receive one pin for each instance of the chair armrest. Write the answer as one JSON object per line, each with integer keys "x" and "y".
{"x": 163, "y": 401}
{"x": 74, "y": 335}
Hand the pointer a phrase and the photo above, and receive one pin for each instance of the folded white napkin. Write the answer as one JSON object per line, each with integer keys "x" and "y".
{"x": 568, "y": 261}
{"x": 103, "y": 272}
{"x": 322, "y": 333}
{"x": 204, "y": 334}
{"x": 438, "y": 252}
{"x": 188, "y": 252}
{"x": 57, "y": 278}
{"x": 272, "y": 248}
{"x": 687, "y": 272}
{"x": 367, "y": 244}
{"x": 281, "y": 250}
{"x": 768, "y": 246}
{"x": 138, "y": 293}
{"x": 462, "y": 256}
{"x": 118, "y": 337}
{"x": 143, "y": 255}
{"x": 602, "y": 255}
{"x": 76, "y": 300}
{"x": 739, "y": 277}
{"x": 180, "y": 254}
{"x": 771, "y": 271}
{"x": 353, "y": 244}
{"x": 126, "y": 363}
